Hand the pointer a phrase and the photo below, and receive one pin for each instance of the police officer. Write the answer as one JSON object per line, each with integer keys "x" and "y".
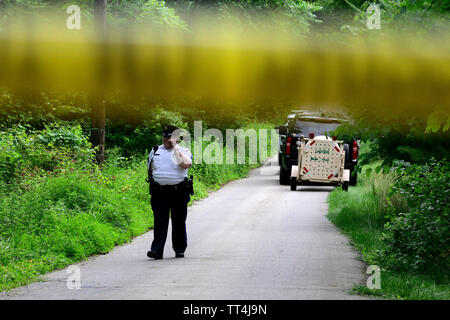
{"x": 168, "y": 167}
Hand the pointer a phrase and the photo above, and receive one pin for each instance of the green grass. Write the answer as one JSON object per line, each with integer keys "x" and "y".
{"x": 407, "y": 286}
{"x": 64, "y": 219}
{"x": 359, "y": 213}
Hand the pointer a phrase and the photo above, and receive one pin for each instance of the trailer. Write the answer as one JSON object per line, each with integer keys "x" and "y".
{"x": 321, "y": 161}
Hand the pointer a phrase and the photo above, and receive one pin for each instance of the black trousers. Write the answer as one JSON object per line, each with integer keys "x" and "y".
{"x": 176, "y": 202}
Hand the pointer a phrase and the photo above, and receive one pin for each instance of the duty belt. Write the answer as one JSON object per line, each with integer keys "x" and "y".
{"x": 174, "y": 187}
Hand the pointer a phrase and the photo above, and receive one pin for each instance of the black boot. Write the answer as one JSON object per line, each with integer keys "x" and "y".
{"x": 154, "y": 255}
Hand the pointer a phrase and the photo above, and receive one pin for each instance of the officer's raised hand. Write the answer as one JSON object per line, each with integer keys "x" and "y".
{"x": 178, "y": 157}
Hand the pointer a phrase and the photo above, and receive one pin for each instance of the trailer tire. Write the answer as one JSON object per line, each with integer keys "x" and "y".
{"x": 353, "y": 177}
{"x": 348, "y": 158}
{"x": 347, "y": 165}
{"x": 293, "y": 184}
{"x": 284, "y": 176}
{"x": 345, "y": 186}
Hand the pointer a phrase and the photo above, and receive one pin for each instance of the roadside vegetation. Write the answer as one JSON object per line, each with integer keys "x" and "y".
{"x": 399, "y": 219}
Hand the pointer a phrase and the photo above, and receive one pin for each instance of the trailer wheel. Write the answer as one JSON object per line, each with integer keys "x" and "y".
{"x": 345, "y": 186}
{"x": 293, "y": 184}
{"x": 353, "y": 177}
{"x": 284, "y": 176}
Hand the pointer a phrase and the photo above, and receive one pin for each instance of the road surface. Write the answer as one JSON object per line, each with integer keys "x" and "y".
{"x": 252, "y": 239}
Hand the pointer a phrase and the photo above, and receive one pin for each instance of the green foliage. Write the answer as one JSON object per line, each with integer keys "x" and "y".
{"x": 436, "y": 121}
{"x": 395, "y": 135}
{"x": 346, "y": 132}
{"x": 63, "y": 136}
{"x": 368, "y": 210}
{"x": 288, "y": 15}
{"x": 42, "y": 109}
{"x": 66, "y": 218}
{"x": 154, "y": 12}
{"x": 134, "y": 127}
{"x": 140, "y": 137}
{"x": 157, "y": 12}
{"x": 27, "y": 152}
{"x": 56, "y": 218}
{"x": 119, "y": 13}
{"x": 407, "y": 286}
{"x": 360, "y": 212}
{"x": 417, "y": 235}
{"x": 414, "y": 239}
{"x": 401, "y": 15}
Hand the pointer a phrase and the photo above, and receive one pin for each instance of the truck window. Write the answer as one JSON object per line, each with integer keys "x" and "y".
{"x": 318, "y": 128}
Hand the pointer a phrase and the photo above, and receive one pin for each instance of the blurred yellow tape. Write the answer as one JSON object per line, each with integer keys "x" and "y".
{"x": 233, "y": 69}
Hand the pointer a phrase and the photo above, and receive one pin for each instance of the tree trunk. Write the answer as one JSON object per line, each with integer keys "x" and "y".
{"x": 98, "y": 112}
{"x": 100, "y": 16}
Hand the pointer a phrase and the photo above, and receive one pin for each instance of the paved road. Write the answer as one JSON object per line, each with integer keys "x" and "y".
{"x": 252, "y": 239}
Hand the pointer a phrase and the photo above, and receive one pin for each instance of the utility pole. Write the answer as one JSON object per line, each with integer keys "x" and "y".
{"x": 98, "y": 112}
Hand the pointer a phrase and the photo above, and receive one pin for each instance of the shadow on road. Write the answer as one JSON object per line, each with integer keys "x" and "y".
{"x": 315, "y": 189}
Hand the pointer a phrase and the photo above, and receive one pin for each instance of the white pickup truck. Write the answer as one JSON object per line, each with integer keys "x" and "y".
{"x": 321, "y": 161}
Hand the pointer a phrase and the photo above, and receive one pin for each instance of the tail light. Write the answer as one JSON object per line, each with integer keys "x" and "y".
{"x": 288, "y": 145}
{"x": 355, "y": 151}
{"x": 311, "y": 135}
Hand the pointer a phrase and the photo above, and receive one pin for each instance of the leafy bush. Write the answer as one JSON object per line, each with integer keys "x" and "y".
{"x": 402, "y": 15}
{"x": 397, "y": 134}
{"x": 418, "y": 238}
{"x": 157, "y": 12}
{"x": 66, "y": 218}
{"x": 119, "y": 12}
{"x": 43, "y": 108}
{"x": 362, "y": 213}
{"x": 24, "y": 151}
{"x": 60, "y": 136}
